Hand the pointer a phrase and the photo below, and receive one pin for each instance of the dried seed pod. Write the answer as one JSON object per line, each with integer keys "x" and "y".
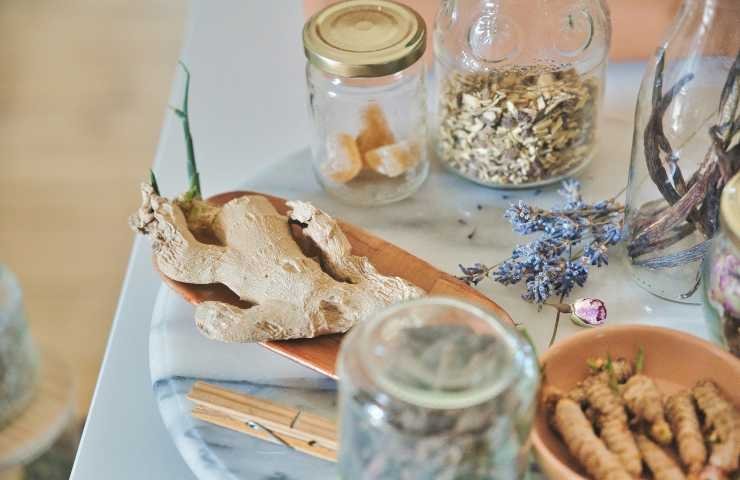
{"x": 685, "y": 423}
{"x": 644, "y": 400}
{"x": 584, "y": 445}
{"x": 659, "y": 462}
{"x": 343, "y": 162}
{"x": 393, "y": 160}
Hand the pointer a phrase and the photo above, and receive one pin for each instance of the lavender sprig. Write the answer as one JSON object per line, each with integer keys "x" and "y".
{"x": 572, "y": 238}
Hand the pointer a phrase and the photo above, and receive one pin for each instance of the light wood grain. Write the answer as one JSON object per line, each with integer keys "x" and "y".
{"x": 83, "y": 91}
{"x": 321, "y": 353}
{"x": 265, "y": 420}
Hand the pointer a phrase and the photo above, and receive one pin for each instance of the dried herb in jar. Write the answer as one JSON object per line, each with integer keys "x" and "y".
{"x": 517, "y": 127}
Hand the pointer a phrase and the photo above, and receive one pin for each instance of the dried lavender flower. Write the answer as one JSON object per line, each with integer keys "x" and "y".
{"x": 549, "y": 265}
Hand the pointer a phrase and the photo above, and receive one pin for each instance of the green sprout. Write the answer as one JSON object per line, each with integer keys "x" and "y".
{"x": 193, "y": 176}
{"x": 640, "y": 360}
{"x": 153, "y": 182}
{"x": 613, "y": 384}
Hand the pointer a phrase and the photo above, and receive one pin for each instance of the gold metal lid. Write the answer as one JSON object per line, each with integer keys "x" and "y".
{"x": 729, "y": 209}
{"x": 364, "y": 38}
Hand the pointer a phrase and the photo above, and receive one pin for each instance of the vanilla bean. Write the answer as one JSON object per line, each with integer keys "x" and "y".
{"x": 674, "y": 236}
{"x": 671, "y": 185}
{"x": 679, "y": 211}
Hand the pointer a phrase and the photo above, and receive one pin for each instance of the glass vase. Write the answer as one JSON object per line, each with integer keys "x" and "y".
{"x": 684, "y": 148}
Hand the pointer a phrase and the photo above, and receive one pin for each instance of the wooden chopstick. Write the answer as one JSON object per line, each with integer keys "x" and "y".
{"x": 302, "y": 431}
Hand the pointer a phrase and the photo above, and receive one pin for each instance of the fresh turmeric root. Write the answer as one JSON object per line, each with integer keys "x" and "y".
{"x": 253, "y": 253}
{"x": 685, "y": 424}
{"x": 613, "y": 425}
{"x": 722, "y": 422}
{"x": 659, "y": 462}
{"x": 578, "y": 435}
{"x": 602, "y": 370}
{"x": 644, "y": 400}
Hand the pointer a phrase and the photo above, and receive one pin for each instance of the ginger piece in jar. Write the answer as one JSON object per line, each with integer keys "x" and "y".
{"x": 393, "y": 160}
{"x": 343, "y": 162}
{"x": 375, "y": 131}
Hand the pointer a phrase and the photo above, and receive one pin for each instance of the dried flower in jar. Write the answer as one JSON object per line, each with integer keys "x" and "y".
{"x": 517, "y": 127}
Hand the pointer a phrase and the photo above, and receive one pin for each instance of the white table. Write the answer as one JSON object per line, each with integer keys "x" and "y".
{"x": 247, "y": 109}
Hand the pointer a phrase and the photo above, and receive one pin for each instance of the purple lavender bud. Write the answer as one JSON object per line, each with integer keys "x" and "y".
{"x": 588, "y": 312}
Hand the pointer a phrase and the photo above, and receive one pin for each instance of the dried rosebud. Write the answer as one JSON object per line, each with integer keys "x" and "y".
{"x": 588, "y": 312}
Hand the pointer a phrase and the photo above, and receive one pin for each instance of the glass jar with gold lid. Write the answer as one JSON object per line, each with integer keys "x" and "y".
{"x": 367, "y": 100}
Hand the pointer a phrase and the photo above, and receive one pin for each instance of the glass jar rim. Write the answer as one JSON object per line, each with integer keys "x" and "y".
{"x": 442, "y": 400}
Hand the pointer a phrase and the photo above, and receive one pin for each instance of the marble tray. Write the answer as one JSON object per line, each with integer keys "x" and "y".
{"x": 435, "y": 224}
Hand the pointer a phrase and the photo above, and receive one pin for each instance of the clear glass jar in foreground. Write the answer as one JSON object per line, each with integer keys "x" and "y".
{"x": 722, "y": 273}
{"x": 518, "y": 87}
{"x": 677, "y": 171}
{"x": 367, "y": 100}
{"x": 432, "y": 389}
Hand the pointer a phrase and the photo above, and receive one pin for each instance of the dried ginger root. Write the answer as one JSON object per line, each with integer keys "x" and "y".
{"x": 658, "y": 461}
{"x": 687, "y": 431}
{"x": 258, "y": 259}
{"x": 614, "y": 428}
{"x": 393, "y": 160}
{"x": 375, "y": 131}
{"x": 645, "y": 401}
{"x": 722, "y": 422}
{"x": 343, "y": 162}
{"x": 583, "y": 444}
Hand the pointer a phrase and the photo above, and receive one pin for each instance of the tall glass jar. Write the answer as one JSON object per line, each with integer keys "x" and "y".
{"x": 682, "y": 150}
{"x": 367, "y": 99}
{"x": 519, "y": 87}
{"x": 435, "y": 388}
{"x": 722, "y": 272}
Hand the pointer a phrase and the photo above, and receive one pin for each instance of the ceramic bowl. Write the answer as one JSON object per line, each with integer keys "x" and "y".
{"x": 675, "y": 360}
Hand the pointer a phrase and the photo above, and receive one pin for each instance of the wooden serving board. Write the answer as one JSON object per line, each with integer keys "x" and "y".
{"x": 320, "y": 353}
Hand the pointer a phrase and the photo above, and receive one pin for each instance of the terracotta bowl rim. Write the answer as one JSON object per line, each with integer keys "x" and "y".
{"x": 539, "y": 446}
